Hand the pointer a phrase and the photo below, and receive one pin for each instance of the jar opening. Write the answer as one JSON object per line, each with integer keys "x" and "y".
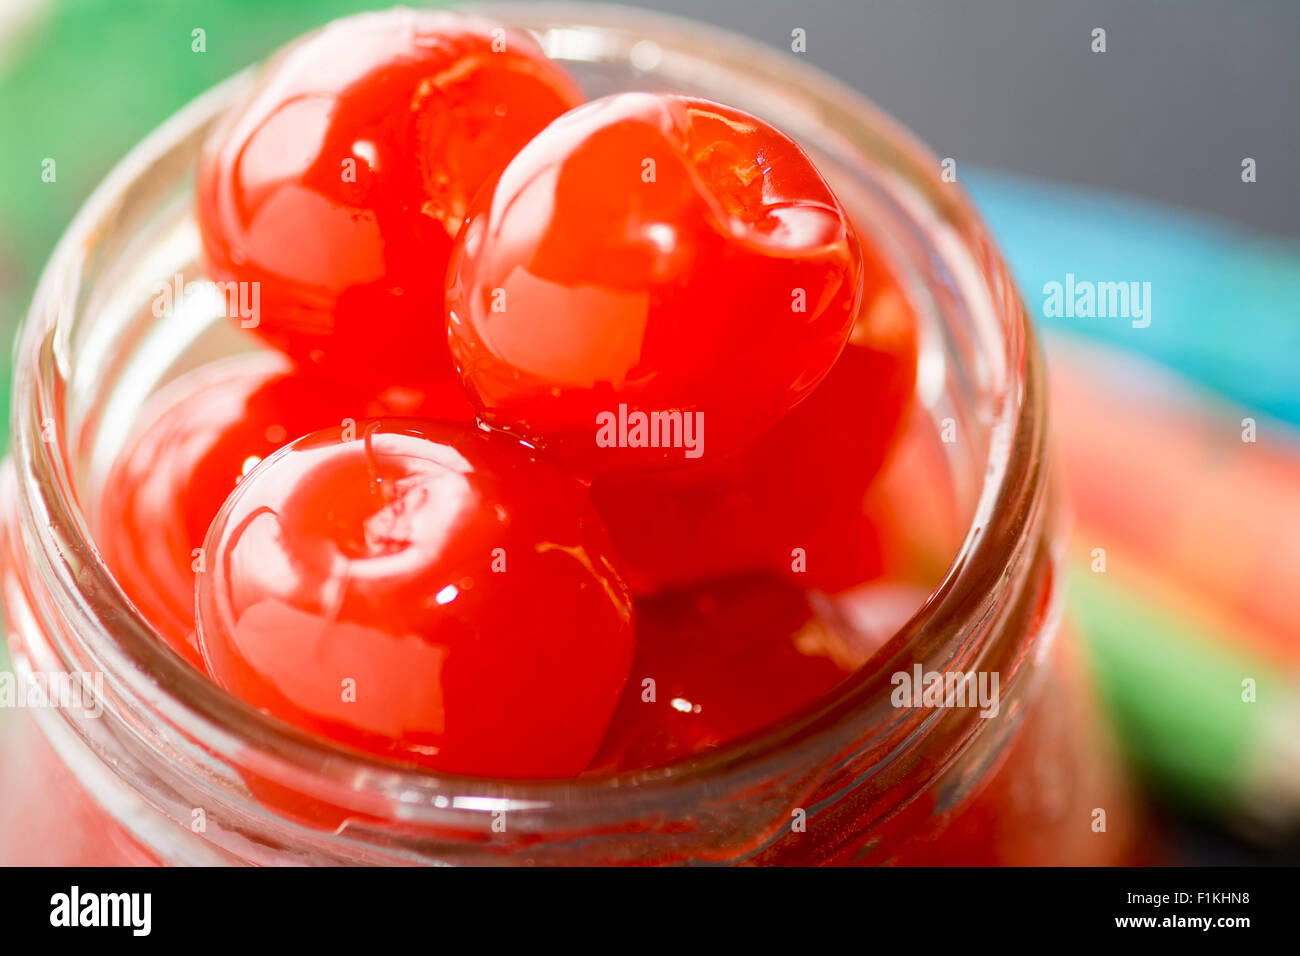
{"x": 66, "y": 342}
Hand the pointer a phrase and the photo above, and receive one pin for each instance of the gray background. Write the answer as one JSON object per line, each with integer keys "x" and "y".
{"x": 1186, "y": 89}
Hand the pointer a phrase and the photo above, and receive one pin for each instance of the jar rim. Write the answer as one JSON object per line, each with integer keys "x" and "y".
{"x": 155, "y": 679}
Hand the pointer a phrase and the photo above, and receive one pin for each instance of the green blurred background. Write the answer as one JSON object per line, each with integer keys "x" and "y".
{"x": 81, "y": 81}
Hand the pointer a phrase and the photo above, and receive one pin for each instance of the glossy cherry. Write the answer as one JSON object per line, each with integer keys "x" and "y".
{"x": 651, "y": 254}
{"x": 791, "y": 502}
{"x": 209, "y": 429}
{"x": 433, "y": 593}
{"x": 718, "y": 662}
{"x": 340, "y": 182}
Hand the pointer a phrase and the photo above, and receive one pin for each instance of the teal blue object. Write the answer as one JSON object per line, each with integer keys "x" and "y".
{"x": 1225, "y": 302}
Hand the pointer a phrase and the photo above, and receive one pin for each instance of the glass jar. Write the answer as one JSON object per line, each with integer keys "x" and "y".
{"x": 165, "y": 767}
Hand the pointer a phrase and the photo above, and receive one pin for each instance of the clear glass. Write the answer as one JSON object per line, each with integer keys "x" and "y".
{"x": 174, "y": 770}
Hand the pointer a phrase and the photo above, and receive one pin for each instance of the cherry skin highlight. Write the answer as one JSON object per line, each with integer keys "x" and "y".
{"x": 433, "y": 593}
{"x": 169, "y": 482}
{"x": 651, "y": 255}
{"x": 339, "y": 184}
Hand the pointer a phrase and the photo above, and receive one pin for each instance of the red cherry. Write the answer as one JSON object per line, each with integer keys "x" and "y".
{"x": 800, "y": 486}
{"x": 339, "y": 184}
{"x": 724, "y": 661}
{"x": 650, "y": 254}
{"x": 169, "y": 482}
{"x": 433, "y": 593}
